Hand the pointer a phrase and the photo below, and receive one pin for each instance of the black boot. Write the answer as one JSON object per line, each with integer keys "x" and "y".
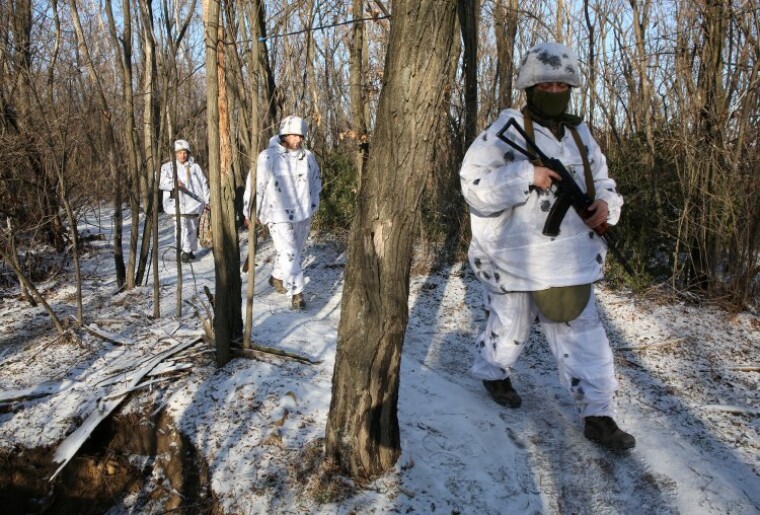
{"x": 502, "y": 392}
{"x": 605, "y": 432}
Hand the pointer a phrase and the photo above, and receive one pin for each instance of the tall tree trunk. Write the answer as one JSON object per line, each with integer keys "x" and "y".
{"x": 362, "y": 435}
{"x": 357, "y": 91}
{"x": 262, "y": 84}
{"x": 149, "y": 179}
{"x": 123, "y": 48}
{"x": 228, "y": 322}
{"x": 712, "y": 127}
{"x": 468, "y": 21}
{"x": 505, "y": 27}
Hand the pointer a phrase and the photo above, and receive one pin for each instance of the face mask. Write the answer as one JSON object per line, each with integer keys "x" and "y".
{"x": 550, "y": 104}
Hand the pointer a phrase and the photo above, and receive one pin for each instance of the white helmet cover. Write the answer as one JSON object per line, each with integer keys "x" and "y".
{"x": 293, "y": 125}
{"x": 548, "y": 62}
{"x": 181, "y": 144}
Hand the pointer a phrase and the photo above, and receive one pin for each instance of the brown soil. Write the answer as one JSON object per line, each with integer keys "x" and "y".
{"x": 129, "y": 454}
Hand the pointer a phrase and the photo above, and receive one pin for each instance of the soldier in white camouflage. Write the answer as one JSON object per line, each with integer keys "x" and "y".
{"x": 527, "y": 274}
{"x": 288, "y": 184}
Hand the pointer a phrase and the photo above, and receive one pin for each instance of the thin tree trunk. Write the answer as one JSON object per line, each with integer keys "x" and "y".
{"x": 468, "y": 22}
{"x": 505, "y": 27}
{"x": 124, "y": 51}
{"x": 149, "y": 184}
{"x": 118, "y": 253}
{"x": 591, "y": 64}
{"x": 228, "y": 324}
{"x": 357, "y": 91}
{"x": 362, "y": 435}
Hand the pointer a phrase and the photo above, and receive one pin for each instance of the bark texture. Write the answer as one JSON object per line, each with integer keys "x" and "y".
{"x": 362, "y": 430}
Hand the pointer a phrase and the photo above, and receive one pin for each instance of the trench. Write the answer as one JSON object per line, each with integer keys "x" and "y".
{"x": 135, "y": 456}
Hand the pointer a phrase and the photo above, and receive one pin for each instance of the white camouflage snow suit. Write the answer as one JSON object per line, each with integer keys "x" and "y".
{"x": 511, "y": 258}
{"x": 189, "y": 208}
{"x": 288, "y": 184}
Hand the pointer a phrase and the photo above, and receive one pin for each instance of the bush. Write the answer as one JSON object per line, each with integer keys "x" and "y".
{"x": 653, "y": 200}
{"x": 338, "y": 198}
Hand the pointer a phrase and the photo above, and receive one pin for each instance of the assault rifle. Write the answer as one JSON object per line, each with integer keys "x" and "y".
{"x": 191, "y": 195}
{"x": 569, "y": 194}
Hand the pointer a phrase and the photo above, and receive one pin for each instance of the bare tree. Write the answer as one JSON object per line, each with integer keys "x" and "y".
{"x": 468, "y": 22}
{"x": 358, "y": 92}
{"x": 505, "y": 26}
{"x": 122, "y": 48}
{"x": 228, "y": 325}
{"x": 362, "y": 434}
{"x": 149, "y": 179}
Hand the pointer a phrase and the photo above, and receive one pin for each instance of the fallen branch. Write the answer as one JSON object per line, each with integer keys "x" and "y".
{"x": 36, "y": 295}
{"x": 256, "y": 350}
{"x": 33, "y": 392}
{"x": 734, "y": 410}
{"x": 104, "y": 336}
{"x": 140, "y": 386}
{"x": 654, "y": 345}
{"x": 69, "y": 447}
{"x": 206, "y": 322}
{"x": 745, "y": 369}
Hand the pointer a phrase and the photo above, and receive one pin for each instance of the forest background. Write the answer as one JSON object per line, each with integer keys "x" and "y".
{"x": 92, "y": 95}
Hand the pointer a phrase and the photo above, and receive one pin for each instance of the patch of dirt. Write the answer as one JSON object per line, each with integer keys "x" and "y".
{"x": 128, "y": 455}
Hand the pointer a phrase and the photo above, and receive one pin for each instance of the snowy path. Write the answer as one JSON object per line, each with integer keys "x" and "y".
{"x": 254, "y": 421}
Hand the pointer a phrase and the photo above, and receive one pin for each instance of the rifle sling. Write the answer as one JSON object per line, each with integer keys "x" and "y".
{"x": 590, "y": 188}
{"x": 528, "y": 125}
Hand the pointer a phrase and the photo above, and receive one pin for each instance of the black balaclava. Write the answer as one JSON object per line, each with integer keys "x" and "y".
{"x": 548, "y": 109}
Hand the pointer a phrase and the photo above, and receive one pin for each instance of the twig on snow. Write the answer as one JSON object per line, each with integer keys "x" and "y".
{"x": 655, "y": 344}
{"x": 256, "y": 350}
{"x": 734, "y": 410}
{"x": 104, "y": 336}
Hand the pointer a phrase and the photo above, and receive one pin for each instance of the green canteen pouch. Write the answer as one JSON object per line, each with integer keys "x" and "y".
{"x": 563, "y": 303}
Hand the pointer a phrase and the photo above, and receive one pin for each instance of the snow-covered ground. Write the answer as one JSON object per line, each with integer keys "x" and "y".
{"x": 688, "y": 392}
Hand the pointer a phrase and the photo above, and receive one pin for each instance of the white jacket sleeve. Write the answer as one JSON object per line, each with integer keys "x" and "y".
{"x": 604, "y": 185}
{"x": 166, "y": 179}
{"x": 315, "y": 182}
{"x": 494, "y": 179}
{"x": 263, "y": 176}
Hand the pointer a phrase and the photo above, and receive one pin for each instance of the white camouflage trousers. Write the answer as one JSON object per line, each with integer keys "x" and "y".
{"x": 189, "y": 225}
{"x": 289, "y": 239}
{"x": 580, "y": 347}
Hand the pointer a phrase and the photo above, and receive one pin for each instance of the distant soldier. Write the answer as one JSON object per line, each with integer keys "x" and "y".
{"x": 193, "y": 196}
{"x": 287, "y": 196}
{"x": 527, "y": 274}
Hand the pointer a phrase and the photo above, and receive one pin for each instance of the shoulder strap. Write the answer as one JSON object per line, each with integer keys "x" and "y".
{"x": 590, "y": 189}
{"x": 528, "y": 126}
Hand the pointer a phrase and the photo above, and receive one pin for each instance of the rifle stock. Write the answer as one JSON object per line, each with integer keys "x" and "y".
{"x": 569, "y": 194}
